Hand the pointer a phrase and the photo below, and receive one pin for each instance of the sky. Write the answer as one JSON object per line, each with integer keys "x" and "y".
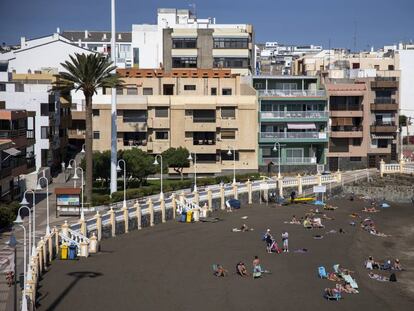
{"x": 334, "y": 23}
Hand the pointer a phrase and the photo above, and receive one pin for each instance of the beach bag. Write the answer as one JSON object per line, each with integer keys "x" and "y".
{"x": 393, "y": 277}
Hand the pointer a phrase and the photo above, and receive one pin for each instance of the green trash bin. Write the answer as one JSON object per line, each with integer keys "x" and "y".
{"x": 64, "y": 252}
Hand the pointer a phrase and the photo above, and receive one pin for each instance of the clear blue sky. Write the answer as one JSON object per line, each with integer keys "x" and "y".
{"x": 378, "y": 22}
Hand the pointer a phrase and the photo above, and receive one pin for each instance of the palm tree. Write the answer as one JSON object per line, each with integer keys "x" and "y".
{"x": 87, "y": 73}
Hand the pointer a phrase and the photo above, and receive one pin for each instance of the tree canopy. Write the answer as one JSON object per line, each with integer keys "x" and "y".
{"x": 177, "y": 159}
{"x": 139, "y": 164}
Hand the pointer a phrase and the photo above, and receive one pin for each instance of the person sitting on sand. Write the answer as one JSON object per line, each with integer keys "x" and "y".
{"x": 317, "y": 223}
{"x": 294, "y": 220}
{"x": 347, "y": 288}
{"x": 241, "y": 269}
{"x": 307, "y": 223}
{"x": 370, "y": 210}
{"x": 397, "y": 265}
{"x": 333, "y": 277}
{"x": 220, "y": 271}
{"x": 332, "y": 292}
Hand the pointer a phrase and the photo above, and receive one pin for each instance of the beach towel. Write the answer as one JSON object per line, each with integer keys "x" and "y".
{"x": 347, "y": 278}
{"x": 322, "y": 272}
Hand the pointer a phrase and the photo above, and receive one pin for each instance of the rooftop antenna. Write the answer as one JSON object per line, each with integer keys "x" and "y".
{"x": 193, "y": 5}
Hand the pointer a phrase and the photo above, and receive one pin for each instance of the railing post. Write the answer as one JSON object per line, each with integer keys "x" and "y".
{"x": 151, "y": 212}
{"x": 39, "y": 250}
{"x": 126, "y": 219}
{"x": 139, "y": 215}
{"x": 65, "y": 228}
{"x": 84, "y": 250}
{"x": 382, "y": 168}
{"x": 402, "y": 162}
{"x": 300, "y": 190}
{"x": 319, "y": 179}
{"x": 50, "y": 247}
{"x": 113, "y": 221}
{"x": 222, "y": 197}
{"x": 99, "y": 225}
{"x": 235, "y": 192}
{"x": 280, "y": 186}
{"x": 249, "y": 192}
{"x": 93, "y": 244}
{"x": 44, "y": 249}
{"x": 56, "y": 240}
{"x": 174, "y": 205}
{"x": 196, "y": 199}
{"x": 162, "y": 205}
{"x": 210, "y": 199}
{"x": 338, "y": 176}
{"x": 83, "y": 226}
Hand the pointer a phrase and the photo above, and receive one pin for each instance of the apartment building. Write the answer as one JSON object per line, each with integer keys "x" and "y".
{"x": 49, "y": 113}
{"x": 17, "y": 155}
{"x": 293, "y": 123}
{"x": 181, "y": 40}
{"x": 206, "y": 111}
{"x": 364, "y": 121}
{"x": 100, "y": 41}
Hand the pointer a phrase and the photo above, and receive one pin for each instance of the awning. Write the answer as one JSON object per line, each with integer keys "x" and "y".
{"x": 301, "y": 126}
{"x": 12, "y": 151}
{"x": 382, "y": 137}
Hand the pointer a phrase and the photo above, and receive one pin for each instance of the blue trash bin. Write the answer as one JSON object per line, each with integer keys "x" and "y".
{"x": 183, "y": 217}
{"x": 73, "y": 251}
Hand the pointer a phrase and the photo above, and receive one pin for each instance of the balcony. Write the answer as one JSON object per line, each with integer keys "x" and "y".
{"x": 231, "y": 123}
{"x": 9, "y": 134}
{"x": 346, "y": 131}
{"x": 384, "y": 82}
{"x": 159, "y": 123}
{"x": 292, "y": 93}
{"x": 384, "y": 127}
{"x": 127, "y": 124}
{"x": 5, "y": 172}
{"x": 384, "y": 104}
{"x": 294, "y": 115}
{"x": 196, "y": 125}
{"x": 30, "y": 135}
{"x": 293, "y": 136}
{"x": 347, "y": 113}
{"x": 76, "y": 134}
{"x": 292, "y": 161}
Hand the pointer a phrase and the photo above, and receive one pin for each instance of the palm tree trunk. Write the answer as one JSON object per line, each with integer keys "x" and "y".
{"x": 88, "y": 148}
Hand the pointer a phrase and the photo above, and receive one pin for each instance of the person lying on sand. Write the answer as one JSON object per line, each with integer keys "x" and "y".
{"x": 220, "y": 271}
{"x": 375, "y": 232}
{"x": 330, "y": 207}
{"x": 378, "y": 277}
{"x": 333, "y": 277}
{"x": 370, "y": 210}
{"x": 347, "y": 288}
{"x": 294, "y": 221}
{"x": 354, "y": 215}
{"x": 243, "y": 228}
{"x": 241, "y": 269}
{"x": 324, "y": 216}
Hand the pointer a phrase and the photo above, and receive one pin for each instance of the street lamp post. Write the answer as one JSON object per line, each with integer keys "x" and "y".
{"x": 190, "y": 158}
{"x": 39, "y": 187}
{"x": 278, "y": 149}
{"x": 70, "y": 167}
{"x": 75, "y": 177}
{"x": 24, "y": 202}
{"x": 12, "y": 242}
{"x": 156, "y": 163}
{"x": 234, "y": 162}
{"x": 118, "y": 169}
{"x": 19, "y": 221}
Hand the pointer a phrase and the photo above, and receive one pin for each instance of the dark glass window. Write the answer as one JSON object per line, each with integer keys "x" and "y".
{"x": 204, "y": 115}
{"x": 161, "y": 112}
{"x": 190, "y": 87}
{"x": 184, "y": 62}
{"x": 161, "y": 135}
{"x": 96, "y": 135}
{"x": 184, "y": 43}
{"x": 135, "y": 116}
{"x": 231, "y": 43}
{"x": 230, "y": 62}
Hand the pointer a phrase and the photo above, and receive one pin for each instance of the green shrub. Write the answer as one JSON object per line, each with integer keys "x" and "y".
{"x": 8, "y": 214}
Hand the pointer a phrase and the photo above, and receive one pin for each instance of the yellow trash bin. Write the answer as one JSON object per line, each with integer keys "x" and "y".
{"x": 64, "y": 252}
{"x": 189, "y": 216}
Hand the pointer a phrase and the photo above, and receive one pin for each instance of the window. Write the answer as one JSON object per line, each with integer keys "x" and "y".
{"x": 356, "y": 141}
{"x": 390, "y": 67}
{"x": 231, "y": 43}
{"x": 226, "y": 91}
{"x": 44, "y": 109}
{"x": 184, "y": 62}
{"x": 228, "y": 113}
{"x": 204, "y": 115}
{"x": 44, "y": 156}
{"x": 168, "y": 89}
{"x": 161, "y": 135}
{"x": 376, "y": 67}
{"x": 190, "y": 87}
{"x": 204, "y": 138}
{"x": 206, "y": 158}
{"x": 119, "y": 91}
{"x": 229, "y": 157}
{"x": 132, "y": 91}
{"x": 19, "y": 87}
{"x": 184, "y": 43}
{"x": 147, "y": 91}
{"x": 213, "y": 91}
{"x": 228, "y": 135}
{"x": 230, "y": 62}
{"x": 95, "y": 112}
{"x": 2, "y": 87}
{"x": 355, "y": 159}
{"x": 161, "y": 112}
{"x": 294, "y": 153}
{"x": 382, "y": 143}
{"x": 44, "y": 132}
{"x": 135, "y": 116}
{"x": 96, "y": 134}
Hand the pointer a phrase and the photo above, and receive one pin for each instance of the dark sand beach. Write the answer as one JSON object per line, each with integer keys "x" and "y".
{"x": 169, "y": 266}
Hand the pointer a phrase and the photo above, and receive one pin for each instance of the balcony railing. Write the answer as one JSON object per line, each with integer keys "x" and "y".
{"x": 30, "y": 134}
{"x": 31, "y": 162}
{"x": 200, "y": 142}
{"x": 291, "y": 161}
{"x": 7, "y": 134}
{"x": 204, "y": 120}
{"x": 135, "y": 142}
{"x": 293, "y": 114}
{"x": 5, "y": 172}
{"x": 134, "y": 119}
{"x": 384, "y": 100}
{"x": 292, "y": 93}
{"x": 346, "y": 128}
{"x": 294, "y": 135}
{"x": 384, "y": 123}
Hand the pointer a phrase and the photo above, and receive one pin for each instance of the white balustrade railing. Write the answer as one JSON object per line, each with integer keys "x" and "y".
{"x": 292, "y": 93}
{"x": 293, "y": 135}
{"x": 293, "y": 114}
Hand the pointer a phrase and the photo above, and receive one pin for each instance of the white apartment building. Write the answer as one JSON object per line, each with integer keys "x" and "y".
{"x": 100, "y": 41}
{"x": 181, "y": 40}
